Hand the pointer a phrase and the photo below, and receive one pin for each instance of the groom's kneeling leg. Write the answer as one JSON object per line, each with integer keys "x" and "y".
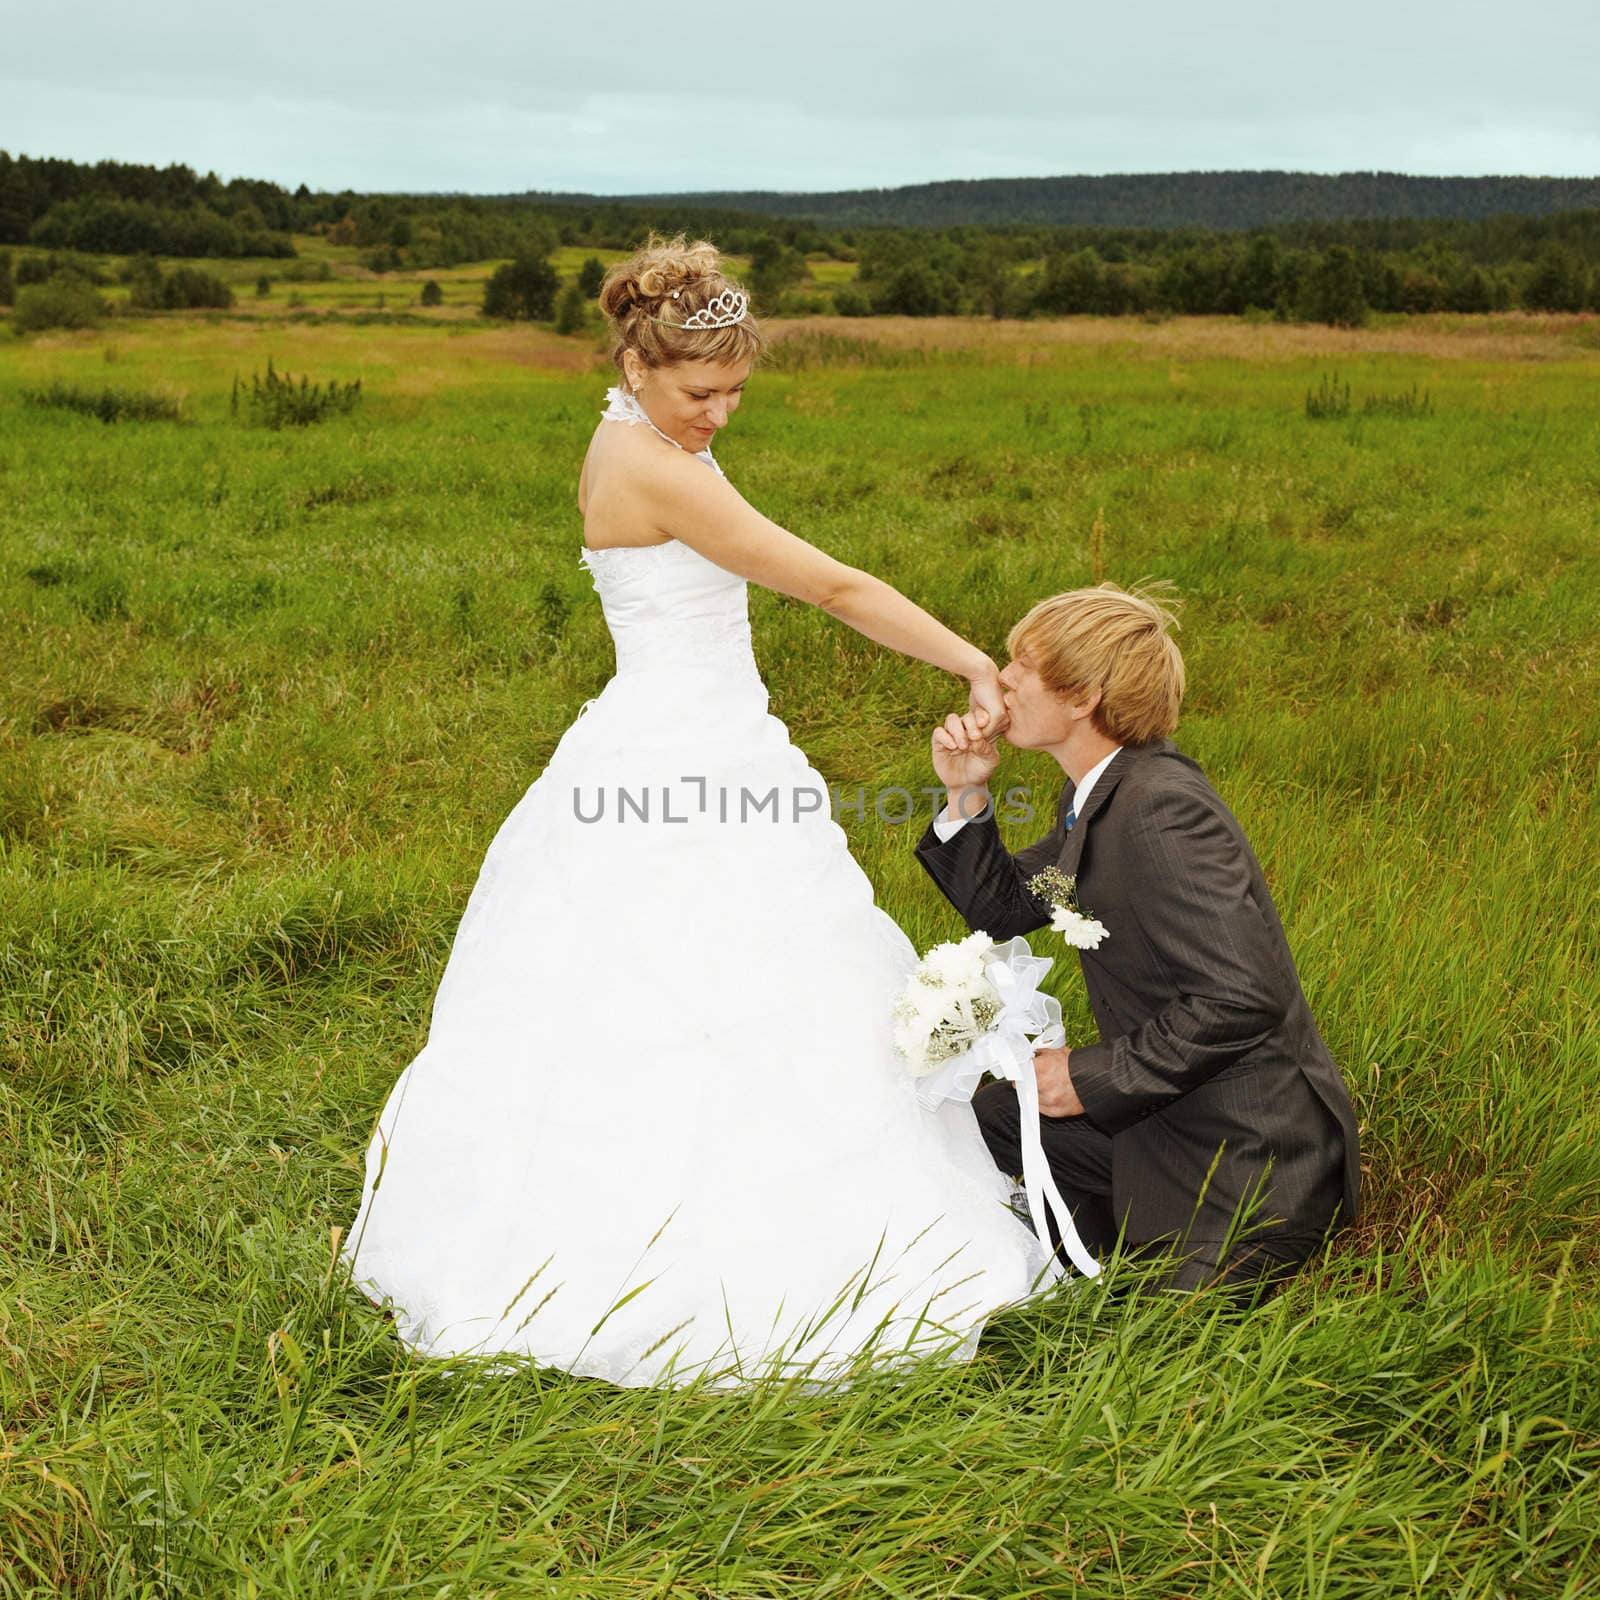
{"x": 1078, "y": 1152}
{"x": 1252, "y": 1270}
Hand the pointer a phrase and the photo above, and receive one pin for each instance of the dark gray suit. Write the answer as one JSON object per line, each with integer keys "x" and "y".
{"x": 1210, "y": 1085}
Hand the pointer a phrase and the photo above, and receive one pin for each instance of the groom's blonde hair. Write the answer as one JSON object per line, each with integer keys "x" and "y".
{"x": 1117, "y": 642}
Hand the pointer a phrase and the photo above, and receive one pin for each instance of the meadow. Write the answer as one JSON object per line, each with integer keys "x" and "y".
{"x": 266, "y": 696}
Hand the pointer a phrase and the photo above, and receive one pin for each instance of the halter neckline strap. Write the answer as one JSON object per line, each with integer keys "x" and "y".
{"x": 622, "y": 406}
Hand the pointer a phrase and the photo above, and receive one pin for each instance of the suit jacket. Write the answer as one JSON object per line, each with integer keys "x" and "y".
{"x": 1209, "y": 1074}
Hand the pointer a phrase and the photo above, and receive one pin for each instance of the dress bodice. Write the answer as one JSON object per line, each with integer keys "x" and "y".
{"x": 666, "y": 605}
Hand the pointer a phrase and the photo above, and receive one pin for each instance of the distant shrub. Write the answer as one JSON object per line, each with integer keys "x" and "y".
{"x": 142, "y": 274}
{"x": 276, "y": 401}
{"x": 1473, "y": 291}
{"x": 919, "y": 291}
{"x": 1423, "y": 292}
{"x": 1127, "y": 289}
{"x": 800, "y": 303}
{"x": 590, "y": 276}
{"x": 8, "y": 287}
{"x": 109, "y": 225}
{"x": 367, "y": 319}
{"x": 572, "y": 311}
{"x": 263, "y": 287}
{"x": 1335, "y": 293}
{"x": 523, "y": 289}
{"x": 1073, "y": 285}
{"x": 1411, "y": 402}
{"x": 774, "y": 267}
{"x": 57, "y": 264}
{"x": 61, "y": 303}
{"x": 181, "y": 289}
{"x": 186, "y": 287}
{"x": 1560, "y": 282}
{"x": 849, "y": 301}
{"x": 138, "y": 266}
{"x": 109, "y": 405}
{"x": 1330, "y": 398}
{"x": 432, "y": 294}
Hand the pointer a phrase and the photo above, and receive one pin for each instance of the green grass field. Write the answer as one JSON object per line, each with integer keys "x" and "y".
{"x": 266, "y": 696}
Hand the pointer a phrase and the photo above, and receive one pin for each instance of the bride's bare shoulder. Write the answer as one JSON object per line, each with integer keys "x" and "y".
{"x": 623, "y": 486}
{"x": 624, "y": 459}
{"x": 600, "y": 465}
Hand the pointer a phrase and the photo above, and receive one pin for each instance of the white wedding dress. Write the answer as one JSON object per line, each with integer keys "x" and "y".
{"x": 659, "y": 1129}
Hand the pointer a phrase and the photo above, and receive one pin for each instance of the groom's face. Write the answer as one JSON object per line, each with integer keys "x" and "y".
{"x": 1039, "y": 718}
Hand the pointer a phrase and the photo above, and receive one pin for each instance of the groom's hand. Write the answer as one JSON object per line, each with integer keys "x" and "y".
{"x": 963, "y": 756}
{"x": 1057, "y": 1097}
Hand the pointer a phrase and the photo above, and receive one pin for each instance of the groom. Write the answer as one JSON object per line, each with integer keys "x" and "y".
{"x": 1209, "y": 1119}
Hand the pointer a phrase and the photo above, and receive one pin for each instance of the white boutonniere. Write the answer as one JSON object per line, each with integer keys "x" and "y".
{"x": 1067, "y": 917}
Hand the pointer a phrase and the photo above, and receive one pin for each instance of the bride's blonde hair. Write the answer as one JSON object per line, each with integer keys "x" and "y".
{"x": 665, "y": 282}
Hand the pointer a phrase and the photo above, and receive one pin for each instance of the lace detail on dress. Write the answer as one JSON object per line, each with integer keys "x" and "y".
{"x": 666, "y": 606}
{"x": 613, "y": 557}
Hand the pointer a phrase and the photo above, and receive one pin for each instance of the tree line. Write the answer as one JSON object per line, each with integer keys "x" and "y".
{"x": 1214, "y": 200}
{"x": 1329, "y": 271}
{"x": 925, "y": 274}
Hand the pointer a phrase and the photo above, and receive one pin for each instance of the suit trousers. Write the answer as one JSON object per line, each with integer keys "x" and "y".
{"x": 1080, "y": 1161}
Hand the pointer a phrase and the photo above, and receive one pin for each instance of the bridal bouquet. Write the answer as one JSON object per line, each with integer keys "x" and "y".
{"x": 974, "y": 1008}
{"x": 947, "y": 1006}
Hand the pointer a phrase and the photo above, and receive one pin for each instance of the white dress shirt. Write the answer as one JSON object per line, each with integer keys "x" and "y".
{"x": 948, "y": 827}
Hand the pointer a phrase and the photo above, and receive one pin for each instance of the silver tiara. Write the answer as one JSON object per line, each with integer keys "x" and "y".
{"x": 720, "y": 311}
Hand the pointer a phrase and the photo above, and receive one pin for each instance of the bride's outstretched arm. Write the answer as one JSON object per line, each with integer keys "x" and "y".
{"x": 709, "y": 515}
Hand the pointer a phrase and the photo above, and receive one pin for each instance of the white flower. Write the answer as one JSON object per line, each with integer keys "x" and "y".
{"x": 956, "y": 966}
{"x": 1081, "y": 932}
{"x": 946, "y": 1005}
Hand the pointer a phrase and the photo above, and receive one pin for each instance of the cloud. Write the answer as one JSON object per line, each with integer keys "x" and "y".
{"x": 501, "y": 97}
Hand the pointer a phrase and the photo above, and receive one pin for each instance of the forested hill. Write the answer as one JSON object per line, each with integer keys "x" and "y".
{"x": 1167, "y": 200}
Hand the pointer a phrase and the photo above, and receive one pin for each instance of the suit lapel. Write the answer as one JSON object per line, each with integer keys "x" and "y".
{"x": 1072, "y": 851}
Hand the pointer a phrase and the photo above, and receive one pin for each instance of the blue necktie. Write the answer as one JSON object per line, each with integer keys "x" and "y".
{"x": 1072, "y": 818}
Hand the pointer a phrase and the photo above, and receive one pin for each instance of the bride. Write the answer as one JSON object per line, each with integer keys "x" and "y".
{"x": 658, "y": 1131}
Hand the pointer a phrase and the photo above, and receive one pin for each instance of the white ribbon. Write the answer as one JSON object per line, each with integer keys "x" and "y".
{"x": 1028, "y": 1021}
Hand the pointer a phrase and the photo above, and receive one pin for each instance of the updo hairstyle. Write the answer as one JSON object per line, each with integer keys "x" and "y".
{"x": 641, "y": 289}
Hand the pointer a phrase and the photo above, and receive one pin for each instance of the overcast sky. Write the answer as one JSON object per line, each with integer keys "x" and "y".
{"x": 490, "y": 96}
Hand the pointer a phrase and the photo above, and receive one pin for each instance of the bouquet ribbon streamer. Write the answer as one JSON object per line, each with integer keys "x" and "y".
{"x": 1028, "y": 1021}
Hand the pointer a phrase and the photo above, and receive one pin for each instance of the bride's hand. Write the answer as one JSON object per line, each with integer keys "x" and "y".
{"x": 986, "y": 702}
